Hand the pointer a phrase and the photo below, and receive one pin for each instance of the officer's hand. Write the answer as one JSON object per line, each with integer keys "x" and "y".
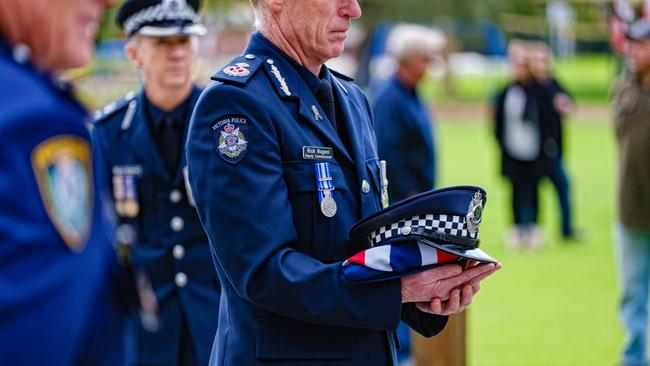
{"x": 459, "y": 300}
{"x": 438, "y": 282}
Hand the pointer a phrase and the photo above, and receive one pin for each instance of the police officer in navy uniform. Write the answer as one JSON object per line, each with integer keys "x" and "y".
{"x": 283, "y": 161}
{"x": 57, "y": 264}
{"x": 140, "y": 141}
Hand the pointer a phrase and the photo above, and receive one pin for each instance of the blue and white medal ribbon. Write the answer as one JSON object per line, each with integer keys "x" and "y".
{"x": 119, "y": 194}
{"x": 325, "y": 189}
{"x": 131, "y": 205}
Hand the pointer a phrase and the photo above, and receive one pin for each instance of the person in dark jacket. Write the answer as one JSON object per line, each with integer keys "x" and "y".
{"x": 58, "y": 268}
{"x": 518, "y": 113}
{"x": 557, "y": 104}
{"x": 403, "y": 122}
{"x": 139, "y": 141}
{"x": 404, "y": 127}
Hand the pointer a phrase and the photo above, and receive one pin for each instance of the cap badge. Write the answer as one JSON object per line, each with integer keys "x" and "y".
{"x": 475, "y": 213}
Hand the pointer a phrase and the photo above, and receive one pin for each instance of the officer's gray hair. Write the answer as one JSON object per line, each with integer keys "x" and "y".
{"x": 258, "y": 13}
{"x": 409, "y": 40}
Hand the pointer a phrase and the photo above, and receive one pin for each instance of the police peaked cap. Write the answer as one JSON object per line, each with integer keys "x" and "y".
{"x": 447, "y": 218}
{"x": 160, "y": 18}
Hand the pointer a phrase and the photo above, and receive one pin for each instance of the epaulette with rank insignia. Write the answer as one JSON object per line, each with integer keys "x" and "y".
{"x": 239, "y": 70}
{"x": 110, "y": 109}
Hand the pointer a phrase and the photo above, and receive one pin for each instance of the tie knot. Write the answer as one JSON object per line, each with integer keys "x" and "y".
{"x": 324, "y": 93}
{"x": 169, "y": 121}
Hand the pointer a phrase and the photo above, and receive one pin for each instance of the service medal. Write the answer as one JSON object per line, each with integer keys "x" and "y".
{"x": 131, "y": 208}
{"x": 325, "y": 189}
{"x": 328, "y": 206}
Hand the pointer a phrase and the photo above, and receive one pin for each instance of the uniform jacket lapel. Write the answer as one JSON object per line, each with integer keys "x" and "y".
{"x": 194, "y": 97}
{"x": 351, "y": 115}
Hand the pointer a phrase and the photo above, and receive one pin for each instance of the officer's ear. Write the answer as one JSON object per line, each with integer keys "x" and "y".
{"x": 275, "y": 6}
{"x": 131, "y": 50}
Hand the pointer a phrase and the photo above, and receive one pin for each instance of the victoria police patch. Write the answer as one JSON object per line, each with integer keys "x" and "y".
{"x": 232, "y": 135}
{"x": 63, "y": 169}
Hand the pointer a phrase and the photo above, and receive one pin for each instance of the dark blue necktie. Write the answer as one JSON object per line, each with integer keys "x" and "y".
{"x": 170, "y": 143}
{"x": 325, "y": 97}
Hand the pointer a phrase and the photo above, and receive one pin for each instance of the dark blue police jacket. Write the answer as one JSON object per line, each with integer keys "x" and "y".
{"x": 404, "y": 138}
{"x": 171, "y": 244}
{"x": 57, "y": 300}
{"x": 251, "y": 152}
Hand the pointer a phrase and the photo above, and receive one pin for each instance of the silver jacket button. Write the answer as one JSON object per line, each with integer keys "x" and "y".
{"x": 177, "y": 224}
{"x": 365, "y": 186}
{"x": 178, "y": 252}
{"x": 180, "y": 279}
{"x": 175, "y": 196}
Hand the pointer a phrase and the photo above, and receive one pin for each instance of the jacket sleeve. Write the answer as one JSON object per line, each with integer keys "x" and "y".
{"x": 425, "y": 324}
{"x": 246, "y": 212}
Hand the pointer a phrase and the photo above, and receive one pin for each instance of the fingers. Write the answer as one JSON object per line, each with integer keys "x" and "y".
{"x": 458, "y": 301}
{"x": 420, "y": 286}
{"x": 442, "y": 272}
{"x": 476, "y": 280}
{"x": 468, "y": 274}
{"x": 467, "y": 296}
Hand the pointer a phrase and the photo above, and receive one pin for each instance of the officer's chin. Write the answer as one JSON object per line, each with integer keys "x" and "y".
{"x": 74, "y": 58}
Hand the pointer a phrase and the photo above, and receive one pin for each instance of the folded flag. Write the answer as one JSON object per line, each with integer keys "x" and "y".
{"x": 395, "y": 260}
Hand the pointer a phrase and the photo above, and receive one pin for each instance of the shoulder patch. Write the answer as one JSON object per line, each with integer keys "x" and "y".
{"x": 239, "y": 70}
{"x": 232, "y": 137}
{"x": 110, "y": 109}
{"x": 63, "y": 169}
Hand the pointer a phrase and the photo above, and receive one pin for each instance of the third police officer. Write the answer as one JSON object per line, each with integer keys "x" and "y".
{"x": 139, "y": 140}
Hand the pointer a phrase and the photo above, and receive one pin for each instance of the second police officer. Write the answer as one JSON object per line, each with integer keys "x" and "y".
{"x": 139, "y": 141}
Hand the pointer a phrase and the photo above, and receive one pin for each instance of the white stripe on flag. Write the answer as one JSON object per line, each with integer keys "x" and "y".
{"x": 428, "y": 254}
{"x": 379, "y": 258}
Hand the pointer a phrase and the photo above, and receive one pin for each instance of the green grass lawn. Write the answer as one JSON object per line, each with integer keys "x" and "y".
{"x": 556, "y": 306}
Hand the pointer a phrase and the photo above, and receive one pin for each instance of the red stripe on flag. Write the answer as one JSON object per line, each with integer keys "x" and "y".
{"x": 359, "y": 258}
{"x": 445, "y": 257}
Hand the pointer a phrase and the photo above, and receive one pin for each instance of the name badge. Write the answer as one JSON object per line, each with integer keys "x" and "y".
{"x": 135, "y": 170}
{"x": 317, "y": 153}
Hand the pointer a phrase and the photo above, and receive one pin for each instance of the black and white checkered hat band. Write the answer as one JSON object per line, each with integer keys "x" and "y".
{"x": 159, "y": 12}
{"x": 443, "y": 224}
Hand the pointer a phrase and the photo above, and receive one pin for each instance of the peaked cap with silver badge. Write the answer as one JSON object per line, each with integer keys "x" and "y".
{"x": 160, "y": 18}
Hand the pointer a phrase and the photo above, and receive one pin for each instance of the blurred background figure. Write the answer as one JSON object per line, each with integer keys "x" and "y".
{"x": 560, "y": 17}
{"x": 404, "y": 126}
{"x": 57, "y": 264}
{"x": 140, "y": 142}
{"x": 403, "y": 122}
{"x": 556, "y": 105}
{"x": 631, "y": 105}
{"x": 517, "y": 126}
